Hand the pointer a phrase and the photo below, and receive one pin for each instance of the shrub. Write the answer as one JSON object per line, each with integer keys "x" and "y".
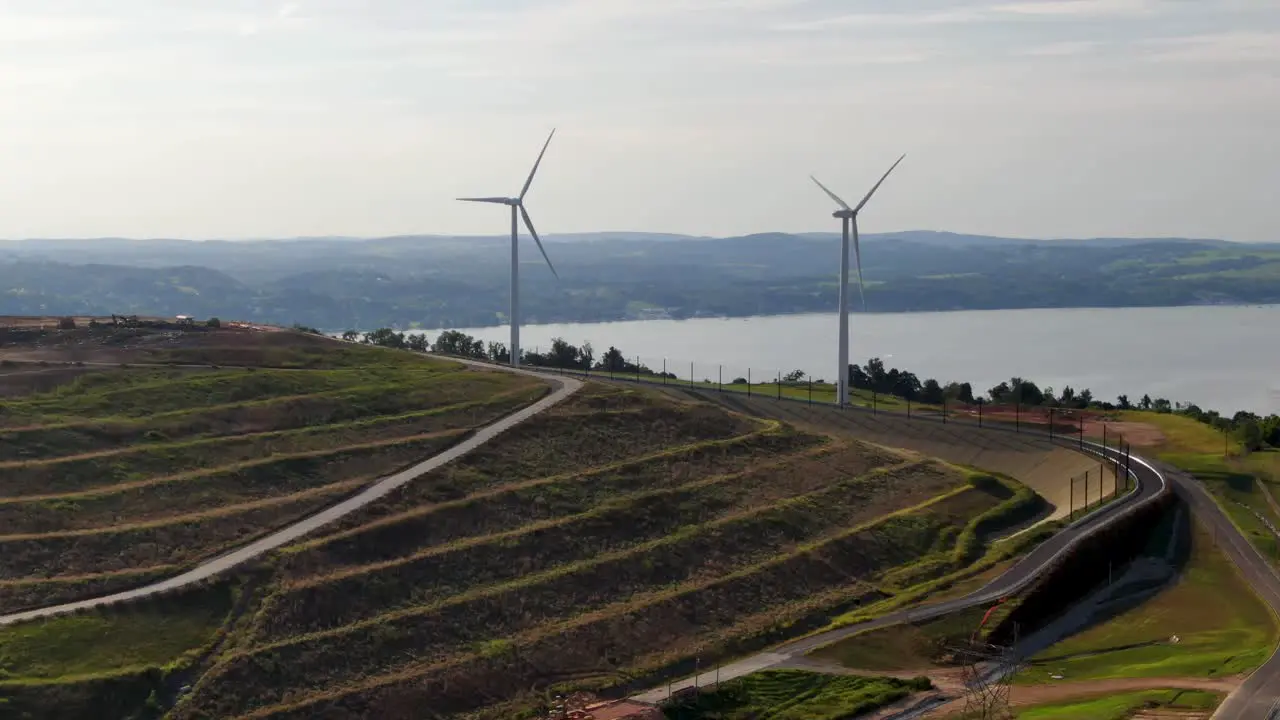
{"x": 67, "y": 323}
{"x": 214, "y": 322}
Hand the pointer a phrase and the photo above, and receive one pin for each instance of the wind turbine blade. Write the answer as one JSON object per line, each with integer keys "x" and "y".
{"x": 498, "y": 200}
{"x": 857, "y": 259}
{"x": 877, "y": 185}
{"x": 529, "y": 224}
{"x": 537, "y": 162}
{"x": 830, "y": 194}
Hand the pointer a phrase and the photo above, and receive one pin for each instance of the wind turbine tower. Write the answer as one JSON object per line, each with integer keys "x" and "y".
{"x": 519, "y": 212}
{"x": 849, "y": 218}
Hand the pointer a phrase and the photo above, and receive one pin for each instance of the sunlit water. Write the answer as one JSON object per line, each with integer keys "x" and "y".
{"x": 1226, "y": 358}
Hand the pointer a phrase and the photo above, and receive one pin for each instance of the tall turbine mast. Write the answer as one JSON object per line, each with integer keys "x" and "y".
{"x": 518, "y": 212}
{"x": 849, "y": 219}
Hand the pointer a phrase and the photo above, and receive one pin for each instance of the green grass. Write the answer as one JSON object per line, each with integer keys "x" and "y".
{"x": 1121, "y": 706}
{"x": 152, "y": 634}
{"x": 793, "y": 695}
{"x": 1223, "y": 629}
{"x": 905, "y": 647}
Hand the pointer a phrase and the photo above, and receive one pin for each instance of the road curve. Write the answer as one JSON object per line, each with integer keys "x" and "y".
{"x": 1150, "y": 484}
{"x": 563, "y": 387}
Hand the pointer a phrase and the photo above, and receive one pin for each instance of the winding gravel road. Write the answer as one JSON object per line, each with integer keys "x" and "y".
{"x": 563, "y": 388}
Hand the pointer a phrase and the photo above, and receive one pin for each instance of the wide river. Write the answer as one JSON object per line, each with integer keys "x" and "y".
{"x": 1224, "y": 358}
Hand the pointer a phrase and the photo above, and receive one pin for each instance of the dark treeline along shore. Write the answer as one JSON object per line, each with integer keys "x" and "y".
{"x": 1252, "y": 431}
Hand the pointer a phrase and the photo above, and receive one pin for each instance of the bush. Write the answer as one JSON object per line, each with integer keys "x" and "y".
{"x": 214, "y": 322}
{"x": 67, "y": 323}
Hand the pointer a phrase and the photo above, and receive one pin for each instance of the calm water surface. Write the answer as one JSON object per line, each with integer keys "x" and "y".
{"x": 1226, "y": 358}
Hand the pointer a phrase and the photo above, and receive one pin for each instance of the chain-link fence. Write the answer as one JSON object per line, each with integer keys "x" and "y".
{"x": 1082, "y": 428}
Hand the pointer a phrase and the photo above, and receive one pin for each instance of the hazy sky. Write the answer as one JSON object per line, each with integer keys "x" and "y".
{"x": 1040, "y": 118}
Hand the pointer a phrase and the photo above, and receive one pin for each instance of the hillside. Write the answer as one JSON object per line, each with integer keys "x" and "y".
{"x": 131, "y": 462}
{"x": 604, "y": 544}
{"x": 431, "y": 281}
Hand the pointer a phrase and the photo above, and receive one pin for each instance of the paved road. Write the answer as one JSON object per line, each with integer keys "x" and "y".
{"x": 1260, "y": 693}
{"x": 1151, "y": 483}
{"x": 564, "y": 387}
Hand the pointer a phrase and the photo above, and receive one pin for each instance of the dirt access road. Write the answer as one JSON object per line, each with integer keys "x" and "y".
{"x": 564, "y": 387}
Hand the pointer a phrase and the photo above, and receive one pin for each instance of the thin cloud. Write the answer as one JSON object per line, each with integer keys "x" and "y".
{"x": 1062, "y": 49}
{"x": 1240, "y": 46}
{"x": 1077, "y": 8}
{"x": 1046, "y": 9}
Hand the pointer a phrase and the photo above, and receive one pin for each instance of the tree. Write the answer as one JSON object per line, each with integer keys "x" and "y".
{"x": 612, "y": 360}
{"x": 1162, "y": 405}
{"x": 417, "y": 342}
{"x": 931, "y": 392}
{"x": 794, "y": 376}
{"x": 67, "y": 323}
{"x": 498, "y": 352}
{"x": 1249, "y": 435}
{"x": 1145, "y": 402}
{"x": 1086, "y": 398}
{"x": 588, "y": 355}
{"x": 1000, "y": 393}
{"x": 562, "y": 354}
{"x": 1123, "y": 402}
{"x": 214, "y": 322}
{"x": 350, "y": 336}
{"x": 384, "y": 337}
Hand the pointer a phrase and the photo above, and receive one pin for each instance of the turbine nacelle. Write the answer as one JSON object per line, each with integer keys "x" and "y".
{"x": 845, "y": 214}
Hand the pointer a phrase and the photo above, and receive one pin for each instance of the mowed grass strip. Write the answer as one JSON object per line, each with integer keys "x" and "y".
{"x": 563, "y": 441}
{"x": 17, "y": 595}
{"x": 1223, "y": 629}
{"x": 111, "y": 641}
{"x": 179, "y": 543}
{"x": 433, "y": 576}
{"x": 690, "y": 562}
{"x": 51, "y": 478}
{"x": 209, "y": 490}
{"x": 582, "y": 640}
{"x": 1119, "y": 706}
{"x": 793, "y": 695}
{"x": 384, "y": 398}
{"x": 512, "y": 505}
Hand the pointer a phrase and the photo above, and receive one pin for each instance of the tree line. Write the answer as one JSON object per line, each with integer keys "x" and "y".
{"x": 1250, "y": 429}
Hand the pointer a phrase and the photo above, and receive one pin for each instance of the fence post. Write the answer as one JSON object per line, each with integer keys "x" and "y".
{"x": 664, "y": 370}
{"x": 1071, "y": 500}
{"x": 1050, "y": 424}
{"x": 810, "y": 389}
{"x": 1080, "y": 422}
{"x": 720, "y": 380}
{"x": 690, "y": 375}
{"x": 1086, "y": 490}
{"x": 908, "y": 408}
{"x": 778, "y": 386}
{"x": 748, "y": 382}
{"x": 1017, "y": 416}
{"x": 638, "y": 367}
{"x": 944, "y": 412}
{"x": 979, "y": 413}
{"x": 874, "y": 401}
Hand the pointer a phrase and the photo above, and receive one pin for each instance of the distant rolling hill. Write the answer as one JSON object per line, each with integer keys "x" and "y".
{"x": 441, "y": 281}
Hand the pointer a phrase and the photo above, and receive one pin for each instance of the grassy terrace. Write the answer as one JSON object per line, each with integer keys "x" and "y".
{"x": 122, "y": 475}
{"x": 604, "y": 544}
{"x": 794, "y": 695}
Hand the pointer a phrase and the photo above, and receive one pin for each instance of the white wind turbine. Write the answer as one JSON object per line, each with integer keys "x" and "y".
{"x": 517, "y": 209}
{"x": 849, "y": 217}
